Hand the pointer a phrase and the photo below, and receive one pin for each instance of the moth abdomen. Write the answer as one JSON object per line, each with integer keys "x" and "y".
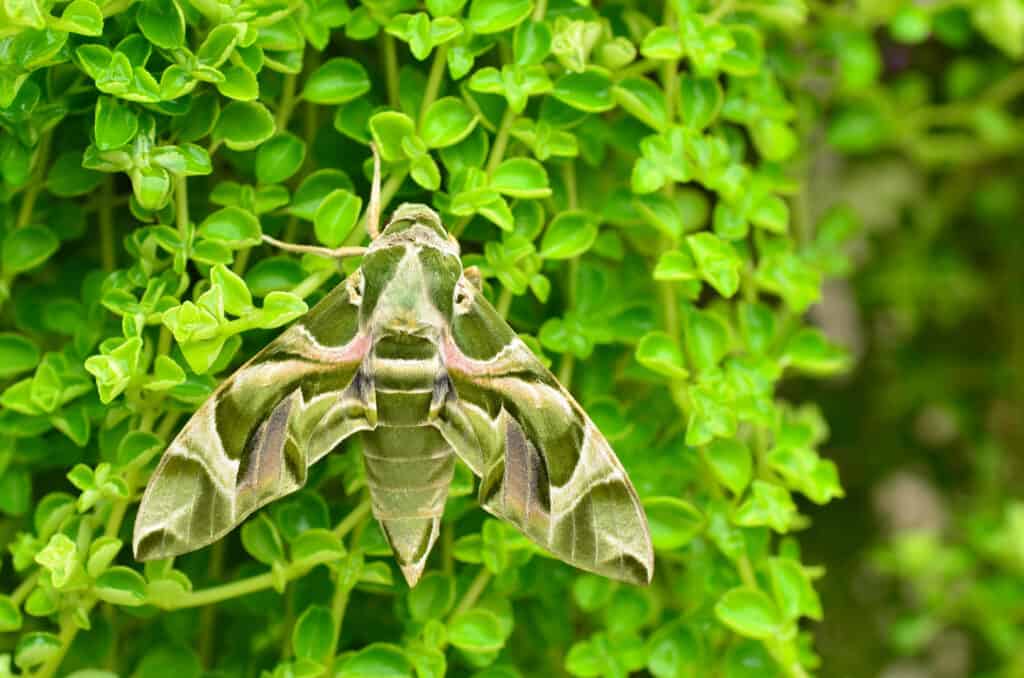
{"x": 408, "y": 471}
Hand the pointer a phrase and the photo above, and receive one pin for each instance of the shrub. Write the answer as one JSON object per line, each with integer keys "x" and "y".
{"x": 639, "y": 184}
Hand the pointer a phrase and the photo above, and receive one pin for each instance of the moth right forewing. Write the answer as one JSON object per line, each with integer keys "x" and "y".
{"x": 251, "y": 441}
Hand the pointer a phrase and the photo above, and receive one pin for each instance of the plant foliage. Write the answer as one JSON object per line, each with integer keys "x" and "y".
{"x": 640, "y": 184}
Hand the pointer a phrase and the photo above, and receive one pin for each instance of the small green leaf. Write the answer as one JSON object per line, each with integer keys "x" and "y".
{"x": 313, "y": 635}
{"x": 115, "y": 123}
{"x": 337, "y": 81}
{"x": 433, "y": 597}
{"x": 10, "y": 615}
{"x": 521, "y": 178}
{"x": 244, "y": 125}
{"x": 673, "y": 522}
{"x": 388, "y": 129}
{"x": 448, "y": 121}
{"x": 232, "y": 226}
{"x": 659, "y": 352}
{"x": 717, "y": 261}
{"x": 590, "y": 91}
{"x": 749, "y": 612}
{"x": 731, "y": 462}
{"x": 377, "y": 660}
{"x": 769, "y": 505}
{"x": 569, "y": 235}
{"x": 27, "y": 248}
{"x": 35, "y": 648}
{"x": 279, "y": 158}
{"x": 17, "y": 354}
{"x": 121, "y": 586}
{"x": 261, "y": 540}
{"x": 476, "y": 630}
{"x": 162, "y": 22}
{"x": 336, "y": 217}
{"x": 495, "y": 16}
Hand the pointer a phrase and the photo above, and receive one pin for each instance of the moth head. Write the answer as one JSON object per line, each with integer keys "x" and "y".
{"x": 409, "y": 276}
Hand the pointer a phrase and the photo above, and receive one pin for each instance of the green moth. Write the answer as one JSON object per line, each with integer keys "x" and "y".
{"x": 407, "y": 353}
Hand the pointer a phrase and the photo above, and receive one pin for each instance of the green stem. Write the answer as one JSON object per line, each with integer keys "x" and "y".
{"x": 208, "y": 619}
{"x": 540, "y": 10}
{"x": 433, "y": 83}
{"x": 181, "y": 205}
{"x": 391, "y": 69}
{"x": 500, "y": 141}
{"x": 356, "y": 516}
{"x": 473, "y": 593}
{"x": 387, "y": 193}
{"x": 504, "y": 302}
{"x": 565, "y": 369}
{"x": 108, "y": 253}
{"x": 248, "y": 585}
{"x": 35, "y": 183}
{"x": 284, "y": 111}
{"x": 311, "y": 284}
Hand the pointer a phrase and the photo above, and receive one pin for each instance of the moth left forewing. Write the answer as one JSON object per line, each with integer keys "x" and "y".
{"x": 251, "y": 441}
{"x": 544, "y": 465}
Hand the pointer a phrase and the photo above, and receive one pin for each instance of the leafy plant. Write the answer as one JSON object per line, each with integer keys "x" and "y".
{"x": 638, "y": 184}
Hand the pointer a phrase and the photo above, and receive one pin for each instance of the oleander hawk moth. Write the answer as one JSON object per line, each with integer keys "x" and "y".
{"x": 407, "y": 353}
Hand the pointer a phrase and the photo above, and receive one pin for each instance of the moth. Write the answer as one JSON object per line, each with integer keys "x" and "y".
{"x": 408, "y": 354}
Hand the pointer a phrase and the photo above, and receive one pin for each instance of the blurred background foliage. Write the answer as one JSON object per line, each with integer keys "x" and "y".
{"x": 768, "y": 244}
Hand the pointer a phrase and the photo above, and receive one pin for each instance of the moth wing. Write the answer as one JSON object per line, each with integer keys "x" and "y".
{"x": 252, "y": 440}
{"x": 544, "y": 465}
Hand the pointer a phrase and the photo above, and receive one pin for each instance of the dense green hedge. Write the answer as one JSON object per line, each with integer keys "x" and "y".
{"x": 656, "y": 194}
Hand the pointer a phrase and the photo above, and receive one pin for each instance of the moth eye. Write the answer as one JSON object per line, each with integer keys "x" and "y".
{"x": 463, "y": 296}
{"x": 355, "y": 285}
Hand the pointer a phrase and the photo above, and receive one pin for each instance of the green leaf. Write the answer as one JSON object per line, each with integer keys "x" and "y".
{"x": 718, "y": 262}
{"x": 749, "y": 612}
{"x": 67, "y": 178}
{"x": 377, "y": 660}
{"x": 121, "y": 586}
{"x": 794, "y": 593}
{"x": 673, "y": 522}
{"x": 521, "y": 178}
{"x": 232, "y": 226}
{"x": 336, "y": 217}
{"x": 642, "y": 99}
{"x": 34, "y": 649}
{"x": 244, "y": 125}
{"x": 115, "y": 124}
{"x": 811, "y": 351}
{"x": 569, "y": 235}
{"x": 659, "y": 352}
{"x": 590, "y": 91}
{"x": 17, "y": 354}
{"x": 162, "y": 22}
{"x": 676, "y": 265}
{"x": 337, "y": 81}
{"x": 448, "y": 121}
{"x": 674, "y": 651}
{"x": 10, "y": 615}
{"x": 261, "y": 540}
{"x": 731, "y": 462}
{"x": 279, "y": 158}
{"x": 433, "y": 597}
{"x": 313, "y": 635}
{"x": 769, "y": 505}
{"x": 700, "y": 100}
{"x": 27, "y": 248}
{"x": 389, "y": 129}
{"x": 476, "y": 630}
{"x": 238, "y": 83}
{"x": 495, "y": 16}
{"x": 83, "y": 17}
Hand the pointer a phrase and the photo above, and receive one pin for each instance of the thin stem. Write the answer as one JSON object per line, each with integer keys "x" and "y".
{"x": 504, "y": 302}
{"x": 108, "y": 253}
{"x": 540, "y": 10}
{"x": 35, "y": 183}
{"x": 312, "y": 283}
{"x": 500, "y": 141}
{"x": 335, "y": 253}
{"x": 355, "y": 516}
{"x": 181, "y": 205}
{"x": 284, "y": 111}
{"x": 391, "y": 68}
{"x": 473, "y": 593}
{"x": 433, "y": 82}
{"x": 24, "y": 588}
{"x": 248, "y": 585}
{"x": 387, "y": 192}
{"x": 208, "y": 619}
{"x": 565, "y": 369}
{"x": 66, "y": 636}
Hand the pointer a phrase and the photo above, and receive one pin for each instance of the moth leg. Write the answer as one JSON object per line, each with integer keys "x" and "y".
{"x": 373, "y": 208}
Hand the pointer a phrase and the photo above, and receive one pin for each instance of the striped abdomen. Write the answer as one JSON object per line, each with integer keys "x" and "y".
{"x": 409, "y": 465}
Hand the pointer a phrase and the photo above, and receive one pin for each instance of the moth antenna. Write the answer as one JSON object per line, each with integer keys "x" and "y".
{"x": 373, "y": 209}
{"x": 336, "y": 253}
